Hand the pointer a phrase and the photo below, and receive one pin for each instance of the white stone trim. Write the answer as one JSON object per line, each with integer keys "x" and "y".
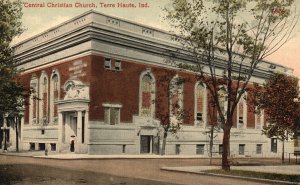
{"x": 153, "y": 92}
{"x": 225, "y": 96}
{"x": 112, "y": 105}
{"x": 51, "y": 94}
{"x": 73, "y": 37}
{"x": 205, "y": 104}
{"x": 42, "y": 77}
{"x": 180, "y": 97}
{"x": 34, "y": 84}
{"x": 262, "y": 119}
{"x": 245, "y": 110}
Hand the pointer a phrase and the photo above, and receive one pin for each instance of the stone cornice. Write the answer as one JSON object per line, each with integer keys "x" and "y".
{"x": 94, "y": 26}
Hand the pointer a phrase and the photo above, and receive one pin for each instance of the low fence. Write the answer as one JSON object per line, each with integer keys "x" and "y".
{"x": 254, "y": 154}
{"x": 294, "y": 156}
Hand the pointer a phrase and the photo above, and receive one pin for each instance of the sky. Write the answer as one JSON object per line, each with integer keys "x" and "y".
{"x": 38, "y": 19}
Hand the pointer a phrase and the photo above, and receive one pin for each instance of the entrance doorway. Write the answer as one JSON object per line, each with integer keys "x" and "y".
{"x": 149, "y": 144}
{"x": 72, "y": 146}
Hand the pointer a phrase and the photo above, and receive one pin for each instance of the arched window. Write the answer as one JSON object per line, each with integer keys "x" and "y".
{"x": 33, "y": 101}
{"x": 147, "y": 94}
{"x": 242, "y": 113}
{"x": 176, "y": 100}
{"x": 223, "y": 96}
{"x": 54, "y": 96}
{"x": 45, "y": 96}
{"x": 44, "y": 104}
{"x": 200, "y": 104}
{"x": 259, "y": 118}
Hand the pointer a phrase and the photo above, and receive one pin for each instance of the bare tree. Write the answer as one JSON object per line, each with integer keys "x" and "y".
{"x": 169, "y": 99}
{"x": 213, "y": 129}
{"x": 224, "y": 41}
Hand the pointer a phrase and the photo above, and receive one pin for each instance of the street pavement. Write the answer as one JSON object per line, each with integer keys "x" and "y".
{"x": 136, "y": 171}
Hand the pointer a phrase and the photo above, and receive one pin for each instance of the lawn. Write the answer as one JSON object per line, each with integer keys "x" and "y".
{"x": 261, "y": 175}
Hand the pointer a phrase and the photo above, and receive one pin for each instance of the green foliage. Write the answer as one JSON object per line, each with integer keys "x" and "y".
{"x": 11, "y": 92}
{"x": 276, "y": 98}
{"x": 276, "y": 130}
{"x": 10, "y": 26}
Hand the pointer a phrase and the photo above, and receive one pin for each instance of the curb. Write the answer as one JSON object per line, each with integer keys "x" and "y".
{"x": 86, "y": 157}
{"x": 234, "y": 177}
{"x": 15, "y": 154}
{"x": 109, "y": 157}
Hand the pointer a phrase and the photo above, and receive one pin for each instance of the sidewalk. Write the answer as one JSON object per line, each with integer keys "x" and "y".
{"x": 282, "y": 169}
{"x": 24, "y": 153}
{"x": 54, "y": 155}
{"x": 87, "y": 156}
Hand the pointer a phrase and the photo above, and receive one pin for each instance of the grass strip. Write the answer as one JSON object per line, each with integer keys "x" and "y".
{"x": 261, "y": 175}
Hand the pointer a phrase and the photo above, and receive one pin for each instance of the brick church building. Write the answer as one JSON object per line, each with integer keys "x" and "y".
{"x": 96, "y": 81}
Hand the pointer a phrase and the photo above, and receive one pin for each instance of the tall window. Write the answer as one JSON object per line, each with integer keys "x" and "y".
{"x": 33, "y": 102}
{"x": 259, "y": 119}
{"x": 54, "y": 96}
{"x": 45, "y": 97}
{"x": 176, "y": 99}
{"x": 200, "y": 104}
{"x": 240, "y": 115}
{"x": 44, "y": 104}
{"x": 147, "y": 94}
{"x": 222, "y": 101}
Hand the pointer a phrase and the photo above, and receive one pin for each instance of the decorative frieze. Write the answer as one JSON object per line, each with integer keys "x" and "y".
{"x": 78, "y": 69}
{"x": 148, "y": 32}
{"x": 112, "y": 21}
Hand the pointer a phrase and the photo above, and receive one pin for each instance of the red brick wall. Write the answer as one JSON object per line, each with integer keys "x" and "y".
{"x": 63, "y": 69}
{"x": 234, "y": 119}
{"x": 122, "y": 87}
{"x": 250, "y": 113}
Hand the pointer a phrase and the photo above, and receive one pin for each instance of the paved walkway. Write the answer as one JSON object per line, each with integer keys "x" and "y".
{"x": 87, "y": 156}
{"x": 54, "y": 155}
{"x": 282, "y": 169}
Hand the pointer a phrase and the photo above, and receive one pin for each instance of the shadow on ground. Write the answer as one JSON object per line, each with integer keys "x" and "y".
{"x": 42, "y": 175}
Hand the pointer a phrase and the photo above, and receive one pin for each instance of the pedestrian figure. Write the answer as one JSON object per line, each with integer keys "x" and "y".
{"x": 72, "y": 144}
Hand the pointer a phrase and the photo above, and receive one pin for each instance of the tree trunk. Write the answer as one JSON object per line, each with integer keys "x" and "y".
{"x": 226, "y": 148}
{"x": 5, "y": 133}
{"x": 211, "y": 143}
{"x": 17, "y": 135}
{"x": 282, "y": 155}
{"x": 5, "y": 141}
{"x": 163, "y": 147}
